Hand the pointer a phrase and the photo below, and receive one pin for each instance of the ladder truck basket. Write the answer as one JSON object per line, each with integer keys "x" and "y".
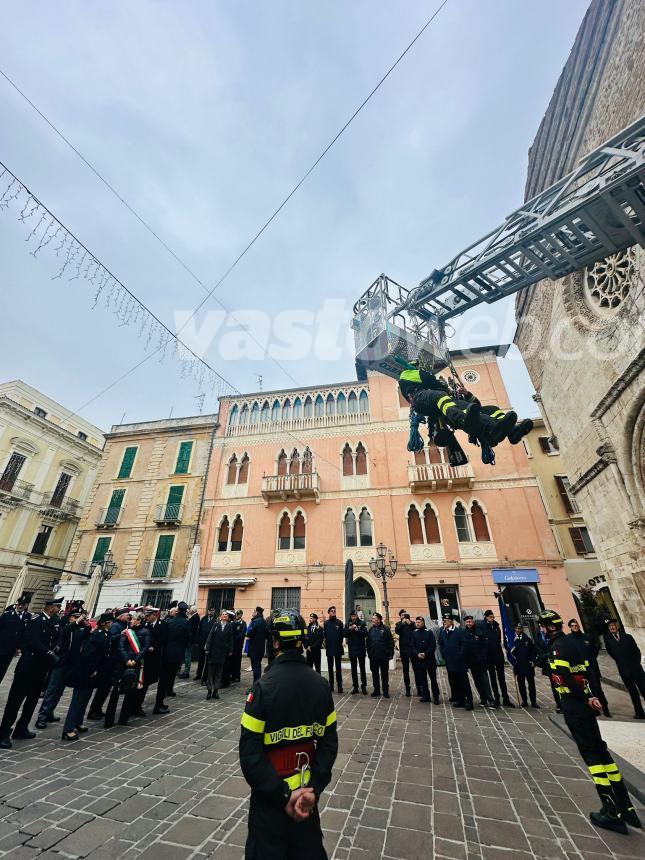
{"x": 386, "y": 337}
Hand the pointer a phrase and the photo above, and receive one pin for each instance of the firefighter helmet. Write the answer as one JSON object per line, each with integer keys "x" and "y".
{"x": 289, "y": 627}
{"x": 549, "y": 618}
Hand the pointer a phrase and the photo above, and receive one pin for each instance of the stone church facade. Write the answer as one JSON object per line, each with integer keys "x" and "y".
{"x": 582, "y": 337}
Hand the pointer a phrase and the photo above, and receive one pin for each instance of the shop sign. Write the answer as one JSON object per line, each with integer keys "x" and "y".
{"x": 510, "y": 575}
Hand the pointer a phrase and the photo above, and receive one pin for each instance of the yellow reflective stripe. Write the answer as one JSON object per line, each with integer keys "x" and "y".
{"x": 564, "y": 663}
{"x": 411, "y": 376}
{"x": 442, "y": 399}
{"x": 331, "y": 719}
{"x": 579, "y": 668}
{"x": 252, "y": 724}
{"x": 614, "y": 777}
{"x": 610, "y": 768}
{"x": 598, "y": 768}
{"x": 296, "y": 780}
{"x": 446, "y": 406}
{"x": 293, "y": 733}
{"x": 290, "y": 634}
{"x": 562, "y": 690}
{"x": 498, "y": 413}
{"x": 601, "y": 780}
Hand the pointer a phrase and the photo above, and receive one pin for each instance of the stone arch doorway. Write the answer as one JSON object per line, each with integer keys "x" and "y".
{"x": 365, "y": 598}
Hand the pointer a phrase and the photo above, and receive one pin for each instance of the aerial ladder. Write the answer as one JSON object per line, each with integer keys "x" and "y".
{"x": 595, "y": 211}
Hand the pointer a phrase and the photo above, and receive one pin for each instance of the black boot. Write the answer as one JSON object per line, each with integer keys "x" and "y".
{"x": 522, "y": 429}
{"x": 624, "y": 804}
{"x": 500, "y": 427}
{"x": 608, "y": 820}
{"x": 407, "y": 692}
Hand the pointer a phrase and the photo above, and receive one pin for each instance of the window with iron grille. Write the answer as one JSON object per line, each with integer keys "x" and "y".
{"x": 160, "y": 598}
{"x": 61, "y": 488}
{"x": 221, "y": 598}
{"x": 285, "y": 598}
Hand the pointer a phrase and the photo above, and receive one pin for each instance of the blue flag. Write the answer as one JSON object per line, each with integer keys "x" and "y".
{"x": 507, "y": 628}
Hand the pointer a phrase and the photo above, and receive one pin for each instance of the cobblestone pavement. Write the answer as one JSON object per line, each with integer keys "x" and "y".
{"x": 411, "y": 781}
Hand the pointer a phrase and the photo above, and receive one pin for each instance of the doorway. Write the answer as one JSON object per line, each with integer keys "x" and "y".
{"x": 443, "y": 600}
{"x": 524, "y": 605}
{"x": 364, "y": 598}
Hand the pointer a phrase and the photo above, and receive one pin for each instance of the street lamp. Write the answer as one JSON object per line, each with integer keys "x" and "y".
{"x": 384, "y": 566}
{"x": 108, "y": 567}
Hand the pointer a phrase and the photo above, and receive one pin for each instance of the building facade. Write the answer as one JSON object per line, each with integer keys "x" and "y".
{"x": 48, "y": 461}
{"x": 144, "y": 508}
{"x": 589, "y": 378}
{"x": 302, "y": 480}
{"x": 571, "y": 533}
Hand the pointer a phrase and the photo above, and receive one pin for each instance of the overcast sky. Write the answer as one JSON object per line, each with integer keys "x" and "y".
{"x": 203, "y": 115}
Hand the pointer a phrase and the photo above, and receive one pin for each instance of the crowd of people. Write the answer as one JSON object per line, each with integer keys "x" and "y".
{"x": 112, "y": 661}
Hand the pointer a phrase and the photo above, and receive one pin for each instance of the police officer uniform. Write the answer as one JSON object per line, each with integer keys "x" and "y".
{"x": 13, "y": 624}
{"x": 289, "y": 720}
{"x": 523, "y": 653}
{"x": 570, "y": 679}
{"x": 31, "y": 671}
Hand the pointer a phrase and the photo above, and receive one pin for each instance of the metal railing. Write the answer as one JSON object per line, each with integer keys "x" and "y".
{"x": 158, "y": 568}
{"x": 278, "y": 484}
{"x": 168, "y": 513}
{"x": 109, "y": 517}
{"x": 422, "y": 473}
{"x": 19, "y": 489}
{"x": 311, "y": 423}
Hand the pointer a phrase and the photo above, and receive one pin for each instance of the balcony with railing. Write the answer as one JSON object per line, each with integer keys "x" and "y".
{"x": 277, "y": 488}
{"x": 440, "y": 476}
{"x": 60, "y": 508}
{"x": 168, "y": 514}
{"x": 312, "y": 422}
{"x": 16, "y": 489}
{"x": 109, "y": 518}
{"x": 157, "y": 568}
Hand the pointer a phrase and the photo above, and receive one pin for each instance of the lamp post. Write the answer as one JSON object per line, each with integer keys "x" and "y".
{"x": 384, "y": 566}
{"x": 108, "y": 569}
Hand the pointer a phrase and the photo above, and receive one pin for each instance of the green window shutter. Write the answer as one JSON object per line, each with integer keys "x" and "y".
{"x": 128, "y": 461}
{"x": 114, "y": 508}
{"x": 164, "y": 547}
{"x": 175, "y": 498}
{"x": 102, "y": 546}
{"x": 183, "y": 458}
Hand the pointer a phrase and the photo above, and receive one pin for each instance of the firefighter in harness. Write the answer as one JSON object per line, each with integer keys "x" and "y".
{"x": 580, "y": 710}
{"x": 288, "y": 746}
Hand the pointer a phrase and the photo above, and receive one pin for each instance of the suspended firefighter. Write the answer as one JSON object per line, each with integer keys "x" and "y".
{"x": 580, "y": 710}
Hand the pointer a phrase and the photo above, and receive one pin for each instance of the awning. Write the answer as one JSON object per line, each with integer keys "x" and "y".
{"x": 241, "y": 581}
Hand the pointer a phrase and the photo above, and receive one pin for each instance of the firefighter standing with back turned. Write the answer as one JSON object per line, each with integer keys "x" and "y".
{"x": 580, "y": 709}
{"x": 288, "y": 746}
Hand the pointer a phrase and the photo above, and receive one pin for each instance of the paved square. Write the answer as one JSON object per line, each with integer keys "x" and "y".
{"x": 411, "y": 781}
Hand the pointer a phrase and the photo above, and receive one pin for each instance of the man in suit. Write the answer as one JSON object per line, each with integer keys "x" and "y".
{"x": 31, "y": 670}
{"x": 623, "y": 649}
{"x": 205, "y": 626}
{"x": 356, "y": 636}
{"x": 380, "y": 650}
{"x": 404, "y": 630}
{"x": 219, "y": 647}
{"x": 239, "y": 635}
{"x": 495, "y": 658}
{"x": 523, "y": 653}
{"x": 424, "y": 661}
{"x": 453, "y": 649}
{"x": 333, "y": 632}
{"x": 178, "y": 636}
{"x": 314, "y": 642}
{"x": 67, "y": 648}
{"x": 13, "y": 624}
{"x": 256, "y": 637}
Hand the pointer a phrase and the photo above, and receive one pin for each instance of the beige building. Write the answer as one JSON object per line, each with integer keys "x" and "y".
{"x": 144, "y": 508}
{"x": 572, "y": 536}
{"x": 48, "y": 462}
{"x": 589, "y": 378}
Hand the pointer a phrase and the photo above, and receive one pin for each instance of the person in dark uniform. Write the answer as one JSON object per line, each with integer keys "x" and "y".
{"x": 495, "y": 658}
{"x": 580, "y": 710}
{"x": 523, "y": 653}
{"x": 333, "y": 631}
{"x": 13, "y": 624}
{"x": 288, "y": 746}
{"x": 66, "y": 649}
{"x": 219, "y": 647}
{"x": 380, "y": 650}
{"x": 202, "y": 635}
{"x": 424, "y": 662}
{"x": 133, "y": 647}
{"x": 110, "y": 677}
{"x": 239, "y": 635}
{"x": 315, "y": 638}
{"x": 541, "y": 649}
{"x": 623, "y": 649}
{"x": 37, "y": 657}
{"x": 85, "y": 671}
{"x": 475, "y": 653}
{"x": 404, "y": 629}
{"x": 178, "y": 636}
{"x": 452, "y": 643}
{"x": 256, "y": 635}
{"x": 356, "y": 636}
{"x": 590, "y": 647}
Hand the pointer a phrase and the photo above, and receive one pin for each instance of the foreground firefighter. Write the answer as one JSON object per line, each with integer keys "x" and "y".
{"x": 288, "y": 746}
{"x": 580, "y": 710}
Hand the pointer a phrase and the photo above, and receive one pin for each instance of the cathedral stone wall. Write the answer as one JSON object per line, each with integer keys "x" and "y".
{"x": 582, "y": 337}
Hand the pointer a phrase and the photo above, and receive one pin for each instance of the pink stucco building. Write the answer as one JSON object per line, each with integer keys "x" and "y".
{"x": 300, "y": 480}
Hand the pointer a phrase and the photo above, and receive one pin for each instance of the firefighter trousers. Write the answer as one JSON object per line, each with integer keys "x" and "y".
{"x": 274, "y": 836}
